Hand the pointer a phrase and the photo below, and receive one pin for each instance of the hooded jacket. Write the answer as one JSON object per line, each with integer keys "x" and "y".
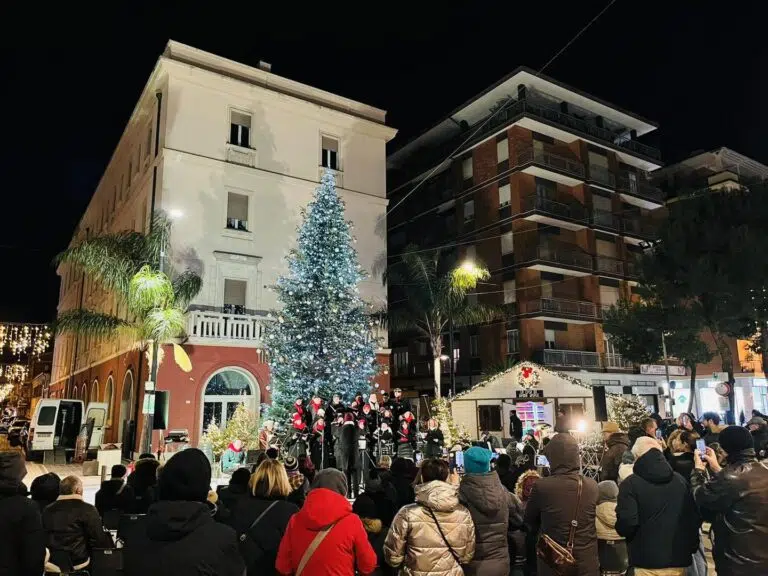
{"x": 738, "y": 495}
{"x": 114, "y": 495}
{"x": 490, "y": 505}
{"x": 414, "y": 542}
{"x": 344, "y": 548}
{"x": 181, "y": 537}
{"x": 552, "y": 502}
{"x": 615, "y": 446}
{"x": 22, "y": 540}
{"x": 656, "y": 513}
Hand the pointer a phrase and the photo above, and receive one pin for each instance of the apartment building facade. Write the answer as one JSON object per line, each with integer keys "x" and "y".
{"x": 548, "y": 188}
{"x": 232, "y": 154}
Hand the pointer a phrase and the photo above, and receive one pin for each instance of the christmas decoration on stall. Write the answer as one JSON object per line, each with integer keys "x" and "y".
{"x": 243, "y": 425}
{"x": 24, "y": 339}
{"x": 321, "y": 340}
{"x": 452, "y": 433}
{"x": 5, "y": 389}
{"x": 626, "y": 411}
{"x": 591, "y": 448}
{"x": 527, "y": 376}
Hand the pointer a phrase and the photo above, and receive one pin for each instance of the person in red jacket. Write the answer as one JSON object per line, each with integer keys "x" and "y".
{"x": 340, "y": 541}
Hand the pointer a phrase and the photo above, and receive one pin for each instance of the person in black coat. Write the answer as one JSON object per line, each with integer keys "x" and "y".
{"x": 376, "y": 529}
{"x": 181, "y": 537}
{"x": 656, "y": 513}
{"x": 114, "y": 493}
{"x": 350, "y": 455}
{"x": 679, "y": 453}
{"x": 44, "y": 490}
{"x": 434, "y": 441}
{"x": 515, "y": 426}
{"x": 238, "y": 487}
{"x": 22, "y": 539}
{"x": 143, "y": 480}
{"x": 261, "y": 517}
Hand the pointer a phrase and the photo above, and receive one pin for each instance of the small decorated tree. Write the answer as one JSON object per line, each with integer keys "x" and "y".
{"x": 626, "y": 412}
{"x": 452, "y": 433}
{"x": 244, "y": 426}
{"x": 215, "y": 438}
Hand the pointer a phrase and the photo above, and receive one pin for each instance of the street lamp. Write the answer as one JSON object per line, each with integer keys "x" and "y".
{"x": 464, "y": 275}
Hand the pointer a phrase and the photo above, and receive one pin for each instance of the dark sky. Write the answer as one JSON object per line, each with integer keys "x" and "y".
{"x": 71, "y": 77}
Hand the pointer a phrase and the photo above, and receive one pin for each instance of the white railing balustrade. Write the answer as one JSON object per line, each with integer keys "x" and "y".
{"x": 210, "y": 327}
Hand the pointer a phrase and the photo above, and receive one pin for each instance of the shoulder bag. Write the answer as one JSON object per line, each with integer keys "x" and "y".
{"x": 312, "y": 547}
{"x": 250, "y": 550}
{"x": 560, "y": 558}
{"x": 439, "y": 529}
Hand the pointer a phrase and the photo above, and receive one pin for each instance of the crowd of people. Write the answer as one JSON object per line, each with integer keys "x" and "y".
{"x": 499, "y": 514}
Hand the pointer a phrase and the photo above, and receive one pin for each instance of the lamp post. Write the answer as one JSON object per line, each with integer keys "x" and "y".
{"x": 469, "y": 269}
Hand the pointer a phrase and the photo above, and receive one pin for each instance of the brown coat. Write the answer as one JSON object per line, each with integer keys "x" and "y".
{"x": 551, "y": 505}
{"x": 414, "y": 543}
{"x": 615, "y": 446}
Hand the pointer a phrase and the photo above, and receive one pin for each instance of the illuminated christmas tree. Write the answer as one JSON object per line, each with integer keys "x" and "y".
{"x": 215, "y": 438}
{"x": 452, "y": 433}
{"x": 243, "y": 426}
{"x": 321, "y": 340}
{"x": 626, "y": 412}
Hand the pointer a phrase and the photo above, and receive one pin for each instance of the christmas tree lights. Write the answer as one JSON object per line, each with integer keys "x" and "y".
{"x": 321, "y": 342}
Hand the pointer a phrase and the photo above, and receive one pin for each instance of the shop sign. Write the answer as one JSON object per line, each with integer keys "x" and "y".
{"x": 527, "y": 394}
{"x": 660, "y": 370}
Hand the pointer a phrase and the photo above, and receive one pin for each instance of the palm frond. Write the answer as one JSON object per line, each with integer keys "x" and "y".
{"x": 400, "y": 321}
{"x": 149, "y": 289}
{"x": 186, "y": 286}
{"x": 164, "y": 324}
{"x": 158, "y": 238}
{"x": 90, "y": 323}
{"x": 477, "y": 314}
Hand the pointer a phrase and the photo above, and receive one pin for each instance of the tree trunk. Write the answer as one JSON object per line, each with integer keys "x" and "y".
{"x": 692, "y": 398}
{"x": 764, "y": 347}
{"x": 437, "y": 367}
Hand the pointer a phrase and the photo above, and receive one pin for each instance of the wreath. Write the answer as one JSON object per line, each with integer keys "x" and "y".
{"x": 528, "y": 377}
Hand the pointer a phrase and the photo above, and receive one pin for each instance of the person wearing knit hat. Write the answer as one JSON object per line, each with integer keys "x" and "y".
{"x": 180, "y": 536}
{"x": 737, "y": 496}
{"x": 299, "y": 484}
{"x": 477, "y": 460}
{"x": 331, "y": 479}
{"x": 611, "y": 548}
{"x": 643, "y": 445}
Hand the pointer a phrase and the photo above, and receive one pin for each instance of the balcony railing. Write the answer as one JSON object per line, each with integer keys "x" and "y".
{"x": 559, "y": 256}
{"x": 639, "y": 187}
{"x": 571, "y": 211}
{"x": 602, "y": 175}
{"x": 609, "y": 265}
{"x": 570, "y": 358}
{"x": 560, "y": 307}
{"x": 633, "y": 268}
{"x": 616, "y": 361}
{"x": 218, "y": 326}
{"x": 606, "y": 219}
{"x": 640, "y": 227}
{"x": 551, "y": 160}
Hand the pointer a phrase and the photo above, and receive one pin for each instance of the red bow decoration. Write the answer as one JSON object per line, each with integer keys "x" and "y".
{"x": 527, "y": 372}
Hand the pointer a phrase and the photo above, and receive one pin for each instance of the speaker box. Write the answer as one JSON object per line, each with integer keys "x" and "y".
{"x": 162, "y": 402}
{"x": 601, "y": 409}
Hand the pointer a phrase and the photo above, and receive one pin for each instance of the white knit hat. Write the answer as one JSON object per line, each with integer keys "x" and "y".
{"x": 643, "y": 445}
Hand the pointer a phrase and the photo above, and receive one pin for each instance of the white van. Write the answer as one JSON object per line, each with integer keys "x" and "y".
{"x": 56, "y": 424}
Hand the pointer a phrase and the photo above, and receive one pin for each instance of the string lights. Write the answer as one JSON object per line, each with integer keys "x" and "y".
{"x": 5, "y": 389}
{"x": 25, "y": 339}
{"x": 14, "y": 373}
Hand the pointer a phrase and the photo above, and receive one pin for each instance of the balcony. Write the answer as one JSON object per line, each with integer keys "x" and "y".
{"x": 569, "y": 358}
{"x": 616, "y": 362}
{"x": 558, "y": 309}
{"x": 636, "y": 190}
{"x": 551, "y": 166}
{"x": 606, "y": 265}
{"x": 241, "y": 155}
{"x": 602, "y": 176}
{"x": 606, "y": 220}
{"x": 227, "y": 329}
{"x": 558, "y": 260}
{"x": 570, "y": 216}
{"x": 637, "y": 230}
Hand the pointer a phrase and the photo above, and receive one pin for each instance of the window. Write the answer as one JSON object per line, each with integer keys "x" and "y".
{"x": 599, "y": 160}
{"x": 609, "y": 295}
{"x": 466, "y": 168}
{"x": 549, "y": 339}
{"x": 401, "y": 362}
{"x": 239, "y": 129}
{"x": 469, "y": 210}
{"x": 601, "y": 203}
{"x": 507, "y": 243}
{"x": 330, "y": 153}
{"x": 513, "y": 341}
{"x": 545, "y": 188}
{"x": 502, "y": 150}
{"x": 225, "y": 391}
{"x": 546, "y": 289}
{"x": 98, "y": 415}
{"x": 605, "y": 248}
{"x": 422, "y": 348}
{"x": 510, "y": 292}
{"x": 489, "y": 418}
{"x": 234, "y": 296}
{"x": 474, "y": 348}
{"x": 237, "y": 211}
{"x": 47, "y": 416}
{"x": 95, "y": 391}
{"x": 505, "y": 195}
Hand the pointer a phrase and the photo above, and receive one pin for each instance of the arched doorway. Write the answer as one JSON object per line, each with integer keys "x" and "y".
{"x": 125, "y": 430}
{"x": 224, "y": 392}
{"x": 94, "y": 391}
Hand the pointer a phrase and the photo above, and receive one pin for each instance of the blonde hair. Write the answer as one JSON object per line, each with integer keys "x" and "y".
{"x": 385, "y": 462}
{"x": 270, "y": 480}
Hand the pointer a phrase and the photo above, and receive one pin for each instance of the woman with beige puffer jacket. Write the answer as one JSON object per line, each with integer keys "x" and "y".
{"x": 434, "y": 536}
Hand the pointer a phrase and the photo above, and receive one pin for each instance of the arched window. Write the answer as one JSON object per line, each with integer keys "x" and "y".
{"x": 127, "y": 406}
{"x": 108, "y": 392}
{"x": 224, "y": 392}
{"x": 94, "y": 391}
{"x": 84, "y": 393}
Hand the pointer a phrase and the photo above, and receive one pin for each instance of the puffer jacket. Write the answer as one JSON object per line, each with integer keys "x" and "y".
{"x": 490, "y": 505}
{"x": 615, "y": 446}
{"x": 738, "y": 495}
{"x": 605, "y": 521}
{"x": 414, "y": 542}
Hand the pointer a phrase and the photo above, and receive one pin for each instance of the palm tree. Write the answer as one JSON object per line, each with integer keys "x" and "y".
{"x": 434, "y": 297}
{"x": 129, "y": 265}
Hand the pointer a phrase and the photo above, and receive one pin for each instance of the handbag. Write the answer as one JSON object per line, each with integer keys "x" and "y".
{"x": 249, "y": 549}
{"x": 439, "y": 529}
{"x": 311, "y": 548}
{"x": 560, "y": 558}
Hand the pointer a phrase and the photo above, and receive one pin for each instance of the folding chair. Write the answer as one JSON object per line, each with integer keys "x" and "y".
{"x": 130, "y": 526}
{"x": 106, "y": 562}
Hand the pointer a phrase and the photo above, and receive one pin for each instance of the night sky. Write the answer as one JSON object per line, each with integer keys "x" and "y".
{"x": 72, "y": 76}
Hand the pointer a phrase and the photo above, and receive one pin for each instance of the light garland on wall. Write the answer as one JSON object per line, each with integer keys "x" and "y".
{"x": 30, "y": 339}
{"x": 5, "y": 389}
{"x": 14, "y": 373}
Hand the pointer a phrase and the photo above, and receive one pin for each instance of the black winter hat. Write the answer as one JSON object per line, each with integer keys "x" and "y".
{"x": 365, "y": 507}
{"x": 735, "y": 439}
{"x": 186, "y": 476}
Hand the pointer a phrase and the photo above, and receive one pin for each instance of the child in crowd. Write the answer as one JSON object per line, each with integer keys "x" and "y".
{"x": 611, "y": 548}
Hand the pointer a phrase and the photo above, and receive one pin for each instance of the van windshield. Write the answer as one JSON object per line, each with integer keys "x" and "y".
{"x": 47, "y": 416}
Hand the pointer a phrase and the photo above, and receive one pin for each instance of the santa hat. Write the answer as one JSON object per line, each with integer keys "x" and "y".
{"x": 362, "y": 421}
{"x": 349, "y": 417}
{"x": 366, "y": 406}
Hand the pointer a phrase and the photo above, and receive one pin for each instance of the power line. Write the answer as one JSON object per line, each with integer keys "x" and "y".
{"x": 499, "y": 109}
